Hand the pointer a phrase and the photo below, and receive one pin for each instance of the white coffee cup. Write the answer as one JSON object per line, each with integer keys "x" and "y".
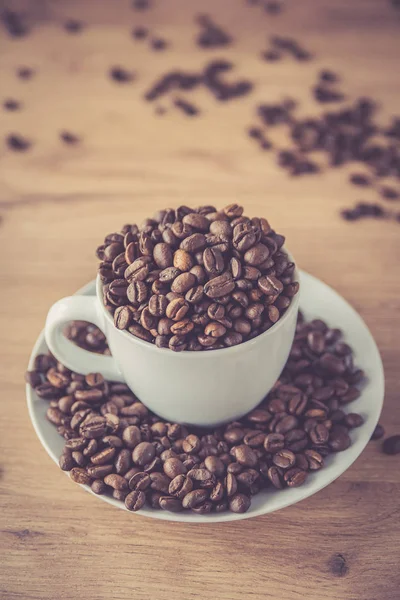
{"x": 200, "y": 388}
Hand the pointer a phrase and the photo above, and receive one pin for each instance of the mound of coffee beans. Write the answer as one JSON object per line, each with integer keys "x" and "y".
{"x": 196, "y": 279}
{"x": 117, "y": 447}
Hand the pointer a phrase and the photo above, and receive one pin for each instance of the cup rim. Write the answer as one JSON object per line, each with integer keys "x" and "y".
{"x": 191, "y": 354}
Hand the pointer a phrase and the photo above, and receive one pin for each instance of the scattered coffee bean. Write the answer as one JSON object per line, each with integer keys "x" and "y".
{"x": 140, "y": 33}
{"x": 186, "y": 107}
{"x": 378, "y": 432}
{"x": 17, "y": 142}
{"x": 358, "y": 179}
{"x": 73, "y": 26}
{"x": 25, "y": 73}
{"x": 158, "y": 44}
{"x": 121, "y": 75}
{"x": 389, "y": 193}
{"x": 391, "y": 445}
{"x": 69, "y": 138}
{"x": 14, "y": 23}
{"x": 11, "y": 105}
{"x": 328, "y": 76}
{"x": 211, "y": 36}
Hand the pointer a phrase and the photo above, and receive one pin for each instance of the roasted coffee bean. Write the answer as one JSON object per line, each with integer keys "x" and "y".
{"x": 123, "y": 462}
{"x": 296, "y": 440}
{"x": 47, "y": 391}
{"x": 352, "y": 394}
{"x": 66, "y": 461}
{"x": 139, "y": 481}
{"x": 259, "y": 416}
{"x": 194, "y": 498}
{"x": 353, "y": 420}
{"x": 93, "y": 427}
{"x": 391, "y": 445}
{"x": 180, "y": 486}
{"x": 315, "y": 460}
{"x": 171, "y": 504}
{"x": 103, "y": 457}
{"x": 93, "y": 395}
{"x": 319, "y": 434}
{"x": 214, "y": 465}
{"x": 219, "y": 286}
{"x": 99, "y": 471}
{"x": 158, "y": 305}
{"x": 239, "y": 503}
{"x": 191, "y": 444}
{"x": 284, "y": 459}
{"x": 33, "y": 378}
{"x": 254, "y": 439}
{"x": 79, "y": 475}
{"x": 274, "y": 442}
{"x": 275, "y": 477}
{"x": 143, "y": 453}
{"x": 245, "y": 456}
{"x": 135, "y": 500}
{"x": 173, "y": 467}
{"x": 295, "y": 477}
{"x": 117, "y": 482}
{"x": 378, "y": 432}
{"x": 98, "y": 486}
{"x": 91, "y": 447}
{"x": 339, "y": 440}
{"x": 332, "y": 364}
{"x": 247, "y": 477}
{"x": 230, "y": 484}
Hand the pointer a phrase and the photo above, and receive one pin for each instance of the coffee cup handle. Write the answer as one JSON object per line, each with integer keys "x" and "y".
{"x": 78, "y": 308}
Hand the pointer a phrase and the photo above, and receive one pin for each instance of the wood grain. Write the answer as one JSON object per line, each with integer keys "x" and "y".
{"x": 57, "y": 202}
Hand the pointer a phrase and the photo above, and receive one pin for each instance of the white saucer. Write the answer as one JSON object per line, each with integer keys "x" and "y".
{"x": 317, "y": 301}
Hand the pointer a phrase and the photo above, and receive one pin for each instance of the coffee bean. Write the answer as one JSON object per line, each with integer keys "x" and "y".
{"x": 173, "y": 467}
{"x": 315, "y": 460}
{"x": 230, "y": 484}
{"x": 275, "y": 477}
{"x": 99, "y": 471}
{"x": 319, "y": 434}
{"x": 284, "y": 459}
{"x": 117, "y": 482}
{"x": 295, "y": 477}
{"x": 353, "y": 420}
{"x": 254, "y": 439}
{"x": 391, "y": 445}
{"x": 245, "y": 456}
{"x": 214, "y": 465}
{"x": 239, "y": 503}
{"x": 79, "y": 475}
{"x": 143, "y": 453}
{"x": 98, "y": 486}
{"x": 135, "y": 500}
{"x": 180, "y": 486}
{"x": 339, "y": 440}
{"x": 171, "y": 504}
{"x": 194, "y": 498}
{"x": 66, "y": 461}
{"x": 332, "y": 364}
{"x": 140, "y": 481}
{"x": 378, "y": 432}
{"x": 219, "y": 286}
{"x": 191, "y": 444}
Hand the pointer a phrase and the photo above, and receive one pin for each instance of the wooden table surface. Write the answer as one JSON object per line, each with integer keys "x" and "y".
{"x": 58, "y": 201}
